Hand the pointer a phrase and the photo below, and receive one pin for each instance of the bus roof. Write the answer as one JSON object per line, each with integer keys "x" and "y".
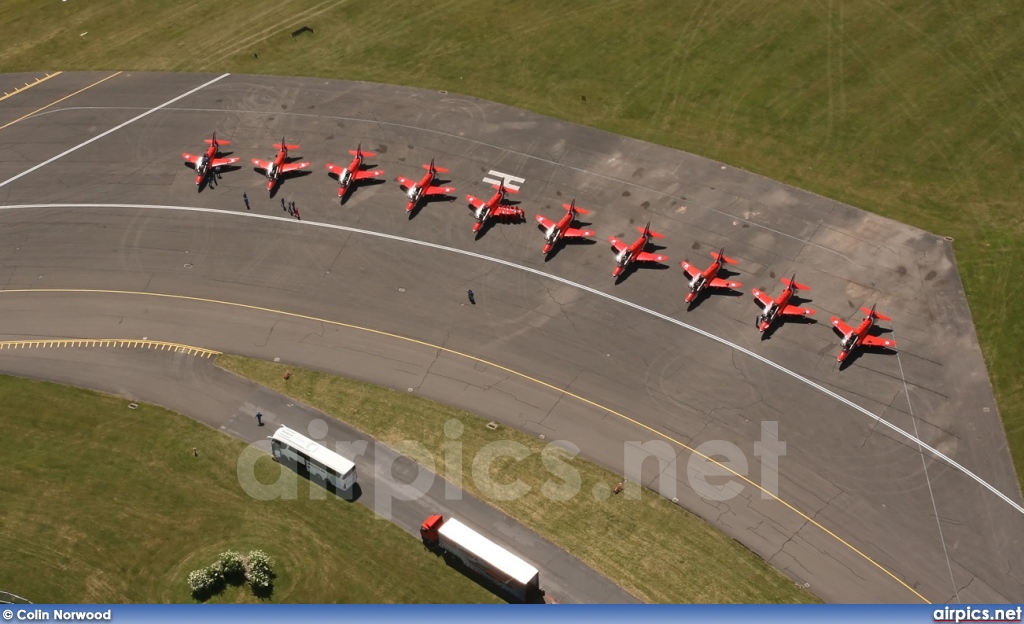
{"x": 314, "y": 450}
{"x": 487, "y": 550}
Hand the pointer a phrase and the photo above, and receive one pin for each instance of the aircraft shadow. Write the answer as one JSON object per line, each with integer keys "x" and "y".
{"x": 563, "y": 243}
{"x": 861, "y": 350}
{"x": 430, "y": 199}
{"x": 708, "y": 292}
{"x": 726, "y": 273}
{"x": 493, "y": 220}
{"x": 283, "y": 177}
{"x": 352, "y": 187}
{"x": 629, "y": 270}
{"x": 786, "y": 320}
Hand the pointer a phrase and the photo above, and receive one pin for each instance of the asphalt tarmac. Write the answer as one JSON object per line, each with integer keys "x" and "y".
{"x": 891, "y": 521}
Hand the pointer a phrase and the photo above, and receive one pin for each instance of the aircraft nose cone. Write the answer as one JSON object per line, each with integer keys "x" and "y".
{"x": 690, "y": 297}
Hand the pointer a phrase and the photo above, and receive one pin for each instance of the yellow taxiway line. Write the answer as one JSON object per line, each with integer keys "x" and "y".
{"x": 38, "y": 110}
{"x": 473, "y": 358}
{"x": 57, "y": 343}
{"x": 28, "y": 86}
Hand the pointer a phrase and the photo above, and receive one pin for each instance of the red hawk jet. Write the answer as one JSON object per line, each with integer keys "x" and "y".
{"x": 354, "y": 172}
{"x": 208, "y": 162}
{"x": 494, "y": 208}
{"x": 280, "y": 166}
{"x": 853, "y": 338}
{"x": 418, "y": 190}
{"x": 699, "y": 280}
{"x": 628, "y": 254}
{"x": 554, "y": 232}
{"x": 773, "y": 308}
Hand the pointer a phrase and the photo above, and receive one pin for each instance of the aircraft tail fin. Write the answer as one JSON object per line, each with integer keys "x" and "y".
{"x": 433, "y": 167}
{"x": 878, "y": 315}
{"x": 720, "y": 255}
{"x": 572, "y": 206}
{"x": 647, "y": 230}
{"x": 795, "y": 284}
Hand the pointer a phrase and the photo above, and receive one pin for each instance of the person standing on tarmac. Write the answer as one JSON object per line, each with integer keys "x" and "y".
{"x": 472, "y": 299}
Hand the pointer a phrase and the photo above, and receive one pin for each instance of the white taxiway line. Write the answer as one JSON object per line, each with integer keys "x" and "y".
{"x": 927, "y": 478}
{"x": 114, "y": 129}
{"x": 797, "y": 376}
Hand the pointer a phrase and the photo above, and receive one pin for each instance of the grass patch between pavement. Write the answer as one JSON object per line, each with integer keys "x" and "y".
{"x": 655, "y": 549}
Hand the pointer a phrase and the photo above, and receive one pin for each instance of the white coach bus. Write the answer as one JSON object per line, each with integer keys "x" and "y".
{"x": 321, "y": 463}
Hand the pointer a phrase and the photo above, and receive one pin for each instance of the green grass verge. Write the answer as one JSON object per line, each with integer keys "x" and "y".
{"x": 102, "y": 504}
{"x": 653, "y": 548}
{"x": 908, "y": 109}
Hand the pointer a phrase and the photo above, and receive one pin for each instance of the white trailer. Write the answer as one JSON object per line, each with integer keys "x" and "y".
{"x": 484, "y": 557}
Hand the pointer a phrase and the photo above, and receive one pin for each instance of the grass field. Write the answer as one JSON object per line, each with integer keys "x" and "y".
{"x": 684, "y": 558}
{"x": 908, "y": 109}
{"x": 103, "y": 504}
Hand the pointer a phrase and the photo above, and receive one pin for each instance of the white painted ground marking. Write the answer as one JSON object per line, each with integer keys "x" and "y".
{"x": 344, "y": 228}
{"x": 511, "y": 181}
{"x": 114, "y": 129}
{"x": 927, "y": 478}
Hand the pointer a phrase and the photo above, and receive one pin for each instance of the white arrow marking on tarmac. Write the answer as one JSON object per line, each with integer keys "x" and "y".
{"x": 921, "y": 443}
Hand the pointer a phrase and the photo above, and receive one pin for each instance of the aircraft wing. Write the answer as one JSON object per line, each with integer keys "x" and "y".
{"x": 509, "y": 211}
{"x": 617, "y": 244}
{"x": 335, "y": 169}
{"x": 547, "y": 223}
{"x": 475, "y": 202}
{"x": 717, "y": 282}
{"x": 797, "y": 311}
{"x": 439, "y": 190}
{"x": 365, "y": 175}
{"x": 691, "y": 270}
{"x": 192, "y": 158}
{"x": 285, "y": 168}
{"x": 574, "y": 233}
{"x": 875, "y": 341}
{"x": 643, "y": 256}
{"x": 841, "y": 326}
{"x": 220, "y": 162}
{"x": 262, "y": 164}
{"x": 762, "y": 297}
{"x": 406, "y": 182}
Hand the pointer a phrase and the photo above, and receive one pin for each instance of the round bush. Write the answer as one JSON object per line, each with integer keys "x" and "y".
{"x": 231, "y": 566}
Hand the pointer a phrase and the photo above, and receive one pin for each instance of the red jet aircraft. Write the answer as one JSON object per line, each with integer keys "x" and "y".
{"x": 280, "y": 165}
{"x": 208, "y": 161}
{"x": 495, "y": 207}
{"x": 853, "y": 338}
{"x": 772, "y": 308}
{"x": 628, "y": 254}
{"x": 354, "y": 172}
{"x": 554, "y": 232}
{"x": 418, "y": 190}
{"x": 699, "y": 280}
